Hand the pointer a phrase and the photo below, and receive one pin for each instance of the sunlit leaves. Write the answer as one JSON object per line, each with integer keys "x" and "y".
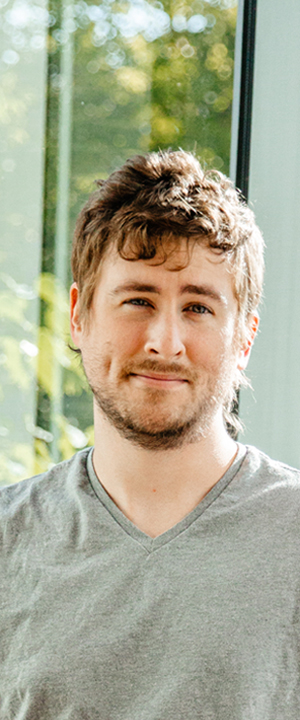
{"x": 29, "y": 352}
{"x": 133, "y": 80}
{"x": 14, "y": 363}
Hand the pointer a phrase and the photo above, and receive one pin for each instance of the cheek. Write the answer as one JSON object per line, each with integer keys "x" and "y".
{"x": 128, "y": 340}
{"x": 123, "y": 345}
{"x": 212, "y": 349}
{"x": 228, "y": 336}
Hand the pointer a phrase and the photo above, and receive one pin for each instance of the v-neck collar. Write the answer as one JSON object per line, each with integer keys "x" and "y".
{"x": 149, "y": 543}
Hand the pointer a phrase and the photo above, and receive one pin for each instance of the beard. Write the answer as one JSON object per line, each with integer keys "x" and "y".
{"x": 150, "y": 422}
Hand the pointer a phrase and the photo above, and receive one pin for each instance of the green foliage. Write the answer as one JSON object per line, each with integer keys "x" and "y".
{"x": 146, "y": 75}
{"x": 138, "y": 91}
{"x": 30, "y": 353}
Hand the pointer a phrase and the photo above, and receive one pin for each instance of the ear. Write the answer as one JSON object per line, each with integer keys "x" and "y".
{"x": 75, "y": 322}
{"x": 245, "y": 350}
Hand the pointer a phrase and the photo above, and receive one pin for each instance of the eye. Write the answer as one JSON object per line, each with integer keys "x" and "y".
{"x": 139, "y": 302}
{"x": 198, "y": 309}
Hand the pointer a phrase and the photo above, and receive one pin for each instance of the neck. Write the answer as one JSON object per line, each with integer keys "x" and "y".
{"x": 157, "y": 489}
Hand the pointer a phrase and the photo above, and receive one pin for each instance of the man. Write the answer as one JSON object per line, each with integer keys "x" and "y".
{"x": 155, "y": 577}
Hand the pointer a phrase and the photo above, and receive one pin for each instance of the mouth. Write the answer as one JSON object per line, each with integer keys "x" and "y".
{"x": 159, "y": 380}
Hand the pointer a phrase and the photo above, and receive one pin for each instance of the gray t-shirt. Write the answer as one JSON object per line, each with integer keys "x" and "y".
{"x": 98, "y": 621}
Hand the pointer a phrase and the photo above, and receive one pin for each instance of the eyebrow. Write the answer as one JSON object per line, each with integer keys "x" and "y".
{"x": 190, "y": 289}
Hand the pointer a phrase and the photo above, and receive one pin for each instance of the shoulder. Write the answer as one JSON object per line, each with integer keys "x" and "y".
{"x": 257, "y": 461}
{"x": 271, "y": 482}
{"x": 40, "y": 490}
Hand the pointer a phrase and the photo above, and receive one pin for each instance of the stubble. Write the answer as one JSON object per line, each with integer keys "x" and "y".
{"x": 151, "y": 421}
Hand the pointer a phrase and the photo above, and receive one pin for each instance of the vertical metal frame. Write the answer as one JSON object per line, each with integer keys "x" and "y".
{"x": 242, "y": 108}
{"x": 243, "y": 93}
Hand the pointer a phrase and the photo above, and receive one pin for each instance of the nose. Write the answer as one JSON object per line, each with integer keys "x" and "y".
{"x": 165, "y": 337}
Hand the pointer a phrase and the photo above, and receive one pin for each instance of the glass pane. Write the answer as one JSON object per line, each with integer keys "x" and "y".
{"x": 123, "y": 78}
{"x": 23, "y": 66}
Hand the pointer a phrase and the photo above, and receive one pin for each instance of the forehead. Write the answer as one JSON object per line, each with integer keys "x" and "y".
{"x": 199, "y": 264}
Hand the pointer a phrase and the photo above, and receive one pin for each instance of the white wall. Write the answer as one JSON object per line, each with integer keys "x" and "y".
{"x": 272, "y": 412}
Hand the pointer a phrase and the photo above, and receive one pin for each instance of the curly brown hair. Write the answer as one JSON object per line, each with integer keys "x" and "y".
{"x": 151, "y": 205}
{"x": 155, "y": 201}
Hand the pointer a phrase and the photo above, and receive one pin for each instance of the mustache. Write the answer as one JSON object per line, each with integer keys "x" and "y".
{"x": 152, "y": 366}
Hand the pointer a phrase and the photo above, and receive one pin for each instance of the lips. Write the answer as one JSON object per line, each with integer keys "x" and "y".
{"x": 162, "y": 378}
{"x": 159, "y": 380}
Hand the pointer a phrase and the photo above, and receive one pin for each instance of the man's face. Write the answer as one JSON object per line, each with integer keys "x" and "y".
{"x": 159, "y": 347}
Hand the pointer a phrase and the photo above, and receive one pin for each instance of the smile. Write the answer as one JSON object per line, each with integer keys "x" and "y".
{"x": 160, "y": 380}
